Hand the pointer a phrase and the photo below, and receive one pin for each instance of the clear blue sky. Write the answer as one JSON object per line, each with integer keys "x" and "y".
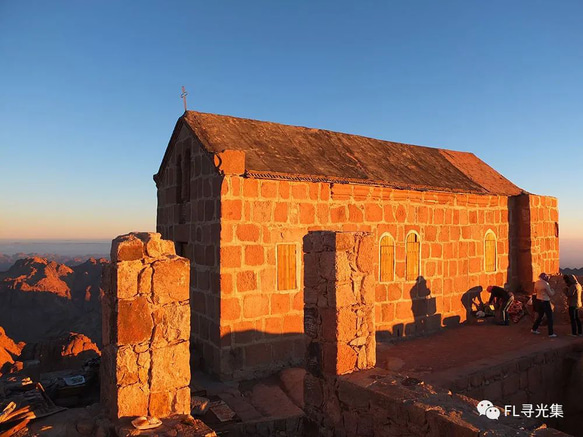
{"x": 89, "y": 93}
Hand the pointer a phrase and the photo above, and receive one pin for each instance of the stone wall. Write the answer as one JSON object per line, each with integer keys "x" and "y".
{"x": 189, "y": 214}
{"x": 534, "y": 238}
{"x": 378, "y": 402}
{"x": 245, "y": 327}
{"x": 552, "y": 377}
{"x": 259, "y": 214}
{"x": 146, "y": 329}
{"x": 544, "y": 234}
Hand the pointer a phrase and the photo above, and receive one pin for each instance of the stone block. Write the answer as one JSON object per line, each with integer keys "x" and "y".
{"x": 126, "y": 366}
{"x": 346, "y": 359}
{"x": 346, "y": 324}
{"x": 134, "y": 321}
{"x": 255, "y": 305}
{"x": 145, "y": 281}
{"x": 248, "y": 232}
{"x": 181, "y": 404}
{"x": 344, "y": 241}
{"x": 152, "y": 243}
{"x": 171, "y": 323}
{"x": 343, "y": 296}
{"x": 231, "y": 256}
{"x": 171, "y": 279}
{"x": 160, "y": 403}
{"x": 230, "y": 309}
{"x": 126, "y": 279}
{"x": 170, "y": 367}
{"x": 127, "y": 248}
{"x": 366, "y": 254}
{"x": 230, "y": 162}
{"x": 167, "y": 247}
{"x": 246, "y": 281}
{"x": 132, "y": 400}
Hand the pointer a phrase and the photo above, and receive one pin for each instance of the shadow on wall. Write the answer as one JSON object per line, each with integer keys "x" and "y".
{"x": 423, "y": 312}
{"x": 425, "y": 316}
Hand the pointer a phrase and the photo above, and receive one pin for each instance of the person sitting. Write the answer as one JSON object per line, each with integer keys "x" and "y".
{"x": 503, "y": 298}
{"x": 544, "y": 292}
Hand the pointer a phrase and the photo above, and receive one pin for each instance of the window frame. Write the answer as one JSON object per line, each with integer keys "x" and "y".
{"x": 297, "y": 265}
{"x": 490, "y": 232}
{"x": 407, "y": 256}
{"x": 383, "y": 236}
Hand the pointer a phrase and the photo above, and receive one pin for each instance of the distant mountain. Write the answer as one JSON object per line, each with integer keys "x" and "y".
{"x": 6, "y": 261}
{"x": 576, "y": 272}
{"x": 40, "y": 299}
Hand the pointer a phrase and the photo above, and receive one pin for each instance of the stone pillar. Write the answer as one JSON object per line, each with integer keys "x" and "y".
{"x": 145, "y": 360}
{"x": 339, "y": 296}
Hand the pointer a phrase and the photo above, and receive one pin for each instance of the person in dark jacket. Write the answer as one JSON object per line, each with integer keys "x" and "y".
{"x": 503, "y": 298}
{"x": 573, "y": 293}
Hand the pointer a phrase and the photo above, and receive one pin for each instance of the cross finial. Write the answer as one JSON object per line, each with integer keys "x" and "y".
{"x": 183, "y": 95}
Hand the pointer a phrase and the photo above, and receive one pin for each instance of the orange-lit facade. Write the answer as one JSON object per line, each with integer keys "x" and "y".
{"x": 243, "y": 232}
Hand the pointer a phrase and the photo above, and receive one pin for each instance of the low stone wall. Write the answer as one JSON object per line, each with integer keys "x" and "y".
{"x": 552, "y": 377}
{"x": 381, "y": 403}
{"x": 145, "y": 367}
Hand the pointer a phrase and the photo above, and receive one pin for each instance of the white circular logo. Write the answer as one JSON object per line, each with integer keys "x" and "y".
{"x": 483, "y": 406}
{"x": 493, "y": 413}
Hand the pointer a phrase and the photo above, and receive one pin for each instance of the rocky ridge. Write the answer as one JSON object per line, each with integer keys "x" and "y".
{"x": 42, "y": 299}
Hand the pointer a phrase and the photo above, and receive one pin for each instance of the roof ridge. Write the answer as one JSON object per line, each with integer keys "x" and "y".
{"x": 254, "y": 120}
{"x": 274, "y": 149}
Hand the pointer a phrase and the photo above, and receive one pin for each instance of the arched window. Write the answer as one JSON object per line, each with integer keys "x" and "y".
{"x": 387, "y": 259}
{"x": 413, "y": 248}
{"x": 490, "y": 252}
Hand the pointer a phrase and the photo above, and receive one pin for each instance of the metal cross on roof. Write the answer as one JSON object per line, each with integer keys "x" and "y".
{"x": 183, "y": 95}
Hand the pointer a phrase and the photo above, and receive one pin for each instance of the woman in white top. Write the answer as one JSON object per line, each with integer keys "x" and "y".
{"x": 543, "y": 293}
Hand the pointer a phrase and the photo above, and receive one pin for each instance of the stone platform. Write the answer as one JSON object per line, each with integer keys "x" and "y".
{"x": 443, "y": 358}
{"x": 507, "y": 365}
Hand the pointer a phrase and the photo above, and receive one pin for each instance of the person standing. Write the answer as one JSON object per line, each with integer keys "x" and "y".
{"x": 573, "y": 292}
{"x": 503, "y": 298}
{"x": 544, "y": 292}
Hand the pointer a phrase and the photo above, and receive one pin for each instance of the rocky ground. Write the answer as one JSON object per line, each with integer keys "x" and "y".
{"x": 50, "y": 330}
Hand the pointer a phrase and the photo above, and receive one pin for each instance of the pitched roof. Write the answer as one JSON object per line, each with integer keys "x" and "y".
{"x": 283, "y": 151}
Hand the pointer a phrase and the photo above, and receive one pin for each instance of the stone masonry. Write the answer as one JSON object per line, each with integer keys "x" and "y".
{"x": 145, "y": 366}
{"x": 339, "y": 297}
{"x": 338, "y": 316}
{"x": 229, "y": 220}
{"x": 535, "y": 243}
